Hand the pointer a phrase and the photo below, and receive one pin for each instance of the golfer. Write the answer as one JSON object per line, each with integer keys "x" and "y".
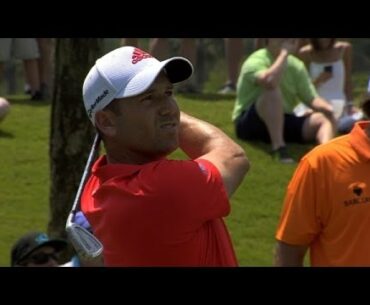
{"x": 146, "y": 209}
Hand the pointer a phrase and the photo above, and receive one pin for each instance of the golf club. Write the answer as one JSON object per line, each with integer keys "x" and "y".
{"x": 85, "y": 243}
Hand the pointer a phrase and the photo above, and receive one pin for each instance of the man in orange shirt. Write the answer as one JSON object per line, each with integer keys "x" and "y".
{"x": 148, "y": 210}
{"x": 327, "y": 204}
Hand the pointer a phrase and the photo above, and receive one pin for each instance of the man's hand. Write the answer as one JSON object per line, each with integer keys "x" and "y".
{"x": 323, "y": 106}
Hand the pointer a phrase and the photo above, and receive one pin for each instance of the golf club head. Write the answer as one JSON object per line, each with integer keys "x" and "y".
{"x": 86, "y": 244}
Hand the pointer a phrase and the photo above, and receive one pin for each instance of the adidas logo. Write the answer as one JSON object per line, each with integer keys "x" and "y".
{"x": 139, "y": 55}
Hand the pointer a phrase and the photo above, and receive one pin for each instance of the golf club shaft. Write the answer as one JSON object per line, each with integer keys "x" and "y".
{"x": 85, "y": 174}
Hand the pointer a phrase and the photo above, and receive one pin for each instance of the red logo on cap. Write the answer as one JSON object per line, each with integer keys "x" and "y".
{"x": 139, "y": 55}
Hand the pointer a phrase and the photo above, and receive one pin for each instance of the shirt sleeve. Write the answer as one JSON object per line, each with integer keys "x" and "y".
{"x": 253, "y": 67}
{"x": 300, "y": 221}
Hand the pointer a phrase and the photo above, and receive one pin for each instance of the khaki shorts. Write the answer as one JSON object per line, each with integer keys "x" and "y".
{"x": 18, "y": 48}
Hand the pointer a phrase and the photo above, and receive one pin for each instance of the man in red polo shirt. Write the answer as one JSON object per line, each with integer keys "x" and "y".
{"x": 148, "y": 210}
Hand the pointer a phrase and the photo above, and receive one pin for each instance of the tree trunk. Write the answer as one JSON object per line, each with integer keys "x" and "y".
{"x": 72, "y": 133}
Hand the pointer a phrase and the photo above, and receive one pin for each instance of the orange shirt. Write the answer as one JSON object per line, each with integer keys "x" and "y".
{"x": 327, "y": 204}
{"x": 163, "y": 213}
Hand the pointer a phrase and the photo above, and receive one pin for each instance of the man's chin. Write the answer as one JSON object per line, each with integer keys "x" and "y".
{"x": 162, "y": 149}
{"x": 171, "y": 149}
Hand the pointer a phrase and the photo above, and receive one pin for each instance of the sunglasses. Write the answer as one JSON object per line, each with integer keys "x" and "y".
{"x": 40, "y": 258}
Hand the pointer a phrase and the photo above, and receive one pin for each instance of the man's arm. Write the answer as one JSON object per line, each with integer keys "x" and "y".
{"x": 321, "y": 105}
{"x": 289, "y": 255}
{"x": 271, "y": 77}
{"x": 199, "y": 139}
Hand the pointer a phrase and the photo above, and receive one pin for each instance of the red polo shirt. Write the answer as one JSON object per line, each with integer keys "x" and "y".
{"x": 163, "y": 213}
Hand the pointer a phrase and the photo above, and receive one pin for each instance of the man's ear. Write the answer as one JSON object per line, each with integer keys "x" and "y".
{"x": 105, "y": 122}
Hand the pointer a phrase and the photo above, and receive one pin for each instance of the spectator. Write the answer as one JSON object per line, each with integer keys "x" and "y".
{"x": 148, "y": 210}
{"x": 234, "y": 55}
{"x": 45, "y": 65}
{"x": 329, "y": 63}
{"x": 9, "y": 74}
{"x": 269, "y": 86}
{"x": 27, "y": 50}
{"x": 326, "y": 207}
{"x": 36, "y": 249}
{"x": 260, "y": 43}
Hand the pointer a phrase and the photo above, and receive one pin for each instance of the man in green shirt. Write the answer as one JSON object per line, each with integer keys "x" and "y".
{"x": 271, "y": 83}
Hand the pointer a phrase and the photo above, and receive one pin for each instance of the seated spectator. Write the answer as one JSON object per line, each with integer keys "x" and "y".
{"x": 36, "y": 249}
{"x": 271, "y": 83}
{"x": 329, "y": 63}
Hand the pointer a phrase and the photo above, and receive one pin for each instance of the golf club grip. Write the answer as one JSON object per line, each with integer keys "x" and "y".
{"x": 85, "y": 173}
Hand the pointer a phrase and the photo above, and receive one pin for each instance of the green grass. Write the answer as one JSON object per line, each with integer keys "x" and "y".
{"x": 24, "y": 176}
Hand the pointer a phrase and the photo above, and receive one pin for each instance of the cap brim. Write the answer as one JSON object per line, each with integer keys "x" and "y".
{"x": 177, "y": 69}
{"x": 57, "y": 244}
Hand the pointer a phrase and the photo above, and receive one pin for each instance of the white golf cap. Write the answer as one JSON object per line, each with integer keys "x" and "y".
{"x": 125, "y": 72}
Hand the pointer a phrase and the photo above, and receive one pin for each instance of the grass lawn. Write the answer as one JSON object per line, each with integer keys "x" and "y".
{"x": 24, "y": 176}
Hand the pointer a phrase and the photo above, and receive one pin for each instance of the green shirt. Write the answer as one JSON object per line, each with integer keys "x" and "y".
{"x": 295, "y": 84}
